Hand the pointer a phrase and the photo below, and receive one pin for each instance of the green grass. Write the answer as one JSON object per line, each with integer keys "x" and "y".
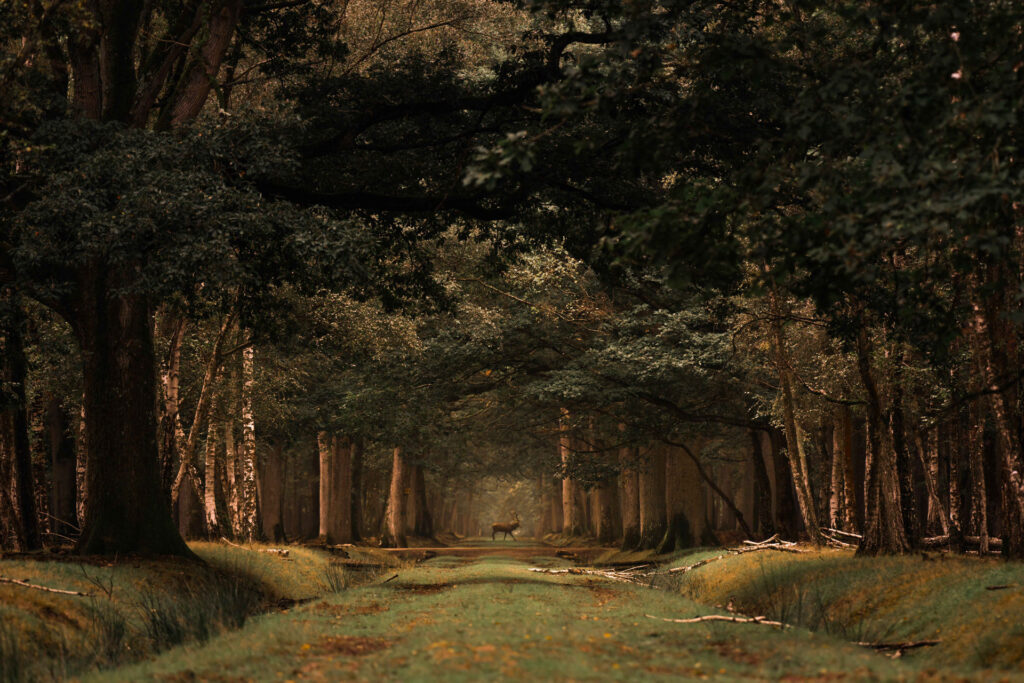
{"x": 140, "y": 607}
{"x": 460, "y": 618}
{"x": 494, "y": 619}
{"x": 878, "y": 599}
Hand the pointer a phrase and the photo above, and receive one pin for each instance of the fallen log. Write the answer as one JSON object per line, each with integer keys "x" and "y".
{"x": 935, "y": 541}
{"x": 722, "y": 617}
{"x": 26, "y": 584}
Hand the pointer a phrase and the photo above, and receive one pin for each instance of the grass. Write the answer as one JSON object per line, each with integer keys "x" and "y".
{"x": 878, "y": 599}
{"x": 140, "y": 607}
{"x": 492, "y": 618}
{"x": 480, "y": 618}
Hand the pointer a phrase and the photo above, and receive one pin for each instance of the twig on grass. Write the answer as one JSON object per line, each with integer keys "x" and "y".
{"x": 26, "y": 584}
{"x": 723, "y": 617}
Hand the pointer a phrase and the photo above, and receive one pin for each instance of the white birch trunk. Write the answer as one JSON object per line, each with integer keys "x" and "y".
{"x": 248, "y": 465}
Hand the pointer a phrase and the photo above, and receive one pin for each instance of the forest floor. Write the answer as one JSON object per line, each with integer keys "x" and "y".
{"x": 475, "y": 611}
{"x": 478, "y": 613}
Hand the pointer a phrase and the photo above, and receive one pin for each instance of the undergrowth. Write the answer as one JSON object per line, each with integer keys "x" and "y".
{"x": 138, "y": 607}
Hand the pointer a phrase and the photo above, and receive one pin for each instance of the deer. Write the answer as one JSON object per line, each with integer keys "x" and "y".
{"x": 507, "y": 529}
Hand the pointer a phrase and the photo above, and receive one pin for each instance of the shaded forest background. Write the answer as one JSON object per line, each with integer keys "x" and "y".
{"x": 650, "y": 271}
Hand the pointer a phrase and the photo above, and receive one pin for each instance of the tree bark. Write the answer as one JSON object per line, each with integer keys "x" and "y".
{"x": 424, "y": 523}
{"x": 628, "y": 475}
{"x": 272, "y": 475}
{"x": 188, "y": 447}
{"x": 171, "y": 434}
{"x": 249, "y": 505}
{"x": 884, "y": 532}
{"x": 554, "y": 497}
{"x": 213, "y": 526}
{"x": 684, "y": 501}
{"x": 762, "y": 521}
{"x": 787, "y": 516}
{"x": 14, "y": 419}
{"x": 81, "y": 466}
{"x": 62, "y": 457}
{"x": 795, "y": 453}
{"x": 976, "y": 454}
{"x": 127, "y": 510}
{"x": 609, "y": 521}
{"x": 651, "y": 478}
{"x": 572, "y": 519}
{"x": 356, "y": 513}
{"x": 393, "y": 535}
{"x": 1007, "y": 424}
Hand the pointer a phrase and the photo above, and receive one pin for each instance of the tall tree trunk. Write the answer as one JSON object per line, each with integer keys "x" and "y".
{"x": 795, "y": 453}
{"x": 884, "y": 532}
{"x": 926, "y": 448}
{"x": 171, "y": 435}
{"x": 14, "y": 418}
{"x": 976, "y": 454}
{"x": 554, "y": 497}
{"x": 629, "y": 476}
{"x": 787, "y": 516}
{"x": 324, "y": 448}
{"x": 213, "y": 529}
{"x": 424, "y": 523}
{"x": 272, "y": 476}
{"x": 187, "y": 467}
{"x": 81, "y": 465}
{"x": 911, "y": 527}
{"x": 651, "y": 477}
{"x": 356, "y": 513}
{"x": 608, "y": 517}
{"x": 572, "y": 519}
{"x": 762, "y": 522}
{"x": 684, "y": 501}
{"x": 127, "y": 510}
{"x": 1007, "y": 423}
{"x": 842, "y": 444}
{"x": 232, "y": 477}
{"x": 249, "y": 505}
{"x": 62, "y": 457}
{"x": 339, "y": 527}
{"x": 393, "y": 535}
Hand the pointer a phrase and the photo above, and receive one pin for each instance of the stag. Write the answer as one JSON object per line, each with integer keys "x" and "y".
{"x": 506, "y": 529}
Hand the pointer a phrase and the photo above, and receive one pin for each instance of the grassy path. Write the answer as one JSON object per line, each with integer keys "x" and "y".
{"x": 488, "y": 617}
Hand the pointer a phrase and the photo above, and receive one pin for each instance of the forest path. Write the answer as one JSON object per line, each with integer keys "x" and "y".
{"x": 520, "y": 548}
{"x": 455, "y": 618}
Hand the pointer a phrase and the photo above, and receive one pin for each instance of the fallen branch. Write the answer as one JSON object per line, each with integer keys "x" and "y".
{"x": 723, "y": 617}
{"x": 577, "y": 571}
{"x": 900, "y": 647}
{"x": 280, "y": 552}
{"x": 26, "y": 584}
{"x": 677, "y": 570}
{"x": 840, "y": 532}
{"x": 783, "y": 546}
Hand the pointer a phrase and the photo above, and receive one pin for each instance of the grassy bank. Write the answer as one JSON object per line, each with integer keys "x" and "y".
{"x": 135, "y": 608}
{"x": 973, "y": 606}
{"x": 490, "y": 618}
